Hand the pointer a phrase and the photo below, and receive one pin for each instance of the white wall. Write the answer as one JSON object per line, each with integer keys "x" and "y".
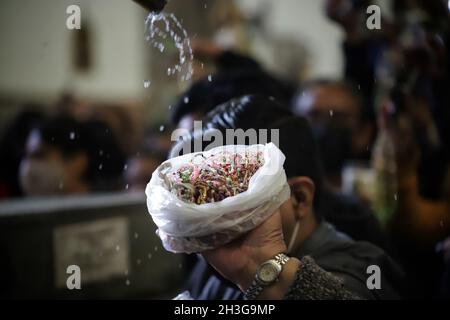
{"x": 305, "y": 20}
{"x": 35, "y": 57}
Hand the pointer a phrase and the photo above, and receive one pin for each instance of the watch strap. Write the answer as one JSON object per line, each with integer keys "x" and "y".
{"x": 257, "y": 286}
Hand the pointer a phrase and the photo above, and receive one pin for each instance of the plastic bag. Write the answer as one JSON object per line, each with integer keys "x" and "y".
{"x": 188, "y": 227}
{"x": 185, "y": 295}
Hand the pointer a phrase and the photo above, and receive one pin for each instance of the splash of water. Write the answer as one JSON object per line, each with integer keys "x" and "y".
{"x": 161, "y": 27}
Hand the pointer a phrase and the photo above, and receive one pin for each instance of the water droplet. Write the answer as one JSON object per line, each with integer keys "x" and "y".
{"x": 138, "y": 261}
{"x": 210, "y": 78}
{"x": 161, "y": 128}
{"x": 395, "y": 197}
{"x": 100, "y": 167}
{"x": 117, "y": 248}
{"x": 136, "y": 235}
{"x": 149, "y": 256}
{"x": 164, "y": 27}
{"x": 169, "y": 71}
{"x": 127, "y": 282}
{"x": 180, "y": 266}
{"x": 170, "y": 107}
{"x": 125, "y": 167}
{"x": 100, "y": 152}
{"x": 186, "y": 100}
{"x": 359, "y": 87}
{"x": 331, "y": 113}
{"x": 61, "y": 185}
{"x": 127, "y": 186}
{"x": 126, "y": 272}
{"x": 71, "y": 136}
{"x": 147, "y": 84}
{"x": 156, "y": 248}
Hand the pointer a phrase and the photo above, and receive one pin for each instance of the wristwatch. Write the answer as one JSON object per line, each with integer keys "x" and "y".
{"x": 266, "y": 274}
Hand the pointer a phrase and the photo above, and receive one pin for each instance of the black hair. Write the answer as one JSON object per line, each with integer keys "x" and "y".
{"x": 296, "y": 139}
{"x": 106, "y": 160}
{"x": 206, "y": 94}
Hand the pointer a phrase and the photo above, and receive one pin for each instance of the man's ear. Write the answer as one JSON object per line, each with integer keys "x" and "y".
{"x": 303, "y": 189}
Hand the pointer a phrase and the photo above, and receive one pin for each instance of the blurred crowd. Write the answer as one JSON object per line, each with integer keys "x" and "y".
{"x": 382, "y": 133}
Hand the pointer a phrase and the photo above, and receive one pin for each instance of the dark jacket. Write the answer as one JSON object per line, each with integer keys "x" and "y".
{"x": 334, "y": 255}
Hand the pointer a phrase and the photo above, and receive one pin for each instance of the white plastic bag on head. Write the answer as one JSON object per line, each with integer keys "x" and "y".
{"x": 189, "y": 227}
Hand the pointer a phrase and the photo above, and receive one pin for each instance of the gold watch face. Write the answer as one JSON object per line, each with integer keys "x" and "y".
{"x": 268, "y": 272}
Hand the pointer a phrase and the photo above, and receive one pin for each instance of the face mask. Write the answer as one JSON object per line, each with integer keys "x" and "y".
{"x": 335, "y": 145}
{"x": 41, "y": 178}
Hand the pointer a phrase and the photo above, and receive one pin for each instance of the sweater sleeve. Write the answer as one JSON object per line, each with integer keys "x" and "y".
{"x": 314, "y": 283}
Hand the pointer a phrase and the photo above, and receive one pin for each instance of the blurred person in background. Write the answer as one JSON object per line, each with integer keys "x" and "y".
{"x": 236, "y": 75}
{"x": 406, "y": 62}
{"x": 410, "y": 50}
{"x": 117, "y": 116}
{"x": 121, "y": 122}
{"x": 12, "y": 148}
{"x": 362, "y": 48}
{"x": 418, "y": 223}
{"x": 231, "y": 25}
{"x": 152, "y": 152}
{"x": 421, "y": 93}
{"x": 66, "y": 156}
{"x": 341, "y": 124}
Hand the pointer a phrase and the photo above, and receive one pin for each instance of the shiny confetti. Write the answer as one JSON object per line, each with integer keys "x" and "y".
{"x": 212, "y": 179}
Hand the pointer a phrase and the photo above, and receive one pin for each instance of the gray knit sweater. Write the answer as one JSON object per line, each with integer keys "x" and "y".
{"x": 314, "y": 283}
{"x": 333, "y": 266}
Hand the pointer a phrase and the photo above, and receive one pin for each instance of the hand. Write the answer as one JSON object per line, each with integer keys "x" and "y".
{"x": 238, "y": 260}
